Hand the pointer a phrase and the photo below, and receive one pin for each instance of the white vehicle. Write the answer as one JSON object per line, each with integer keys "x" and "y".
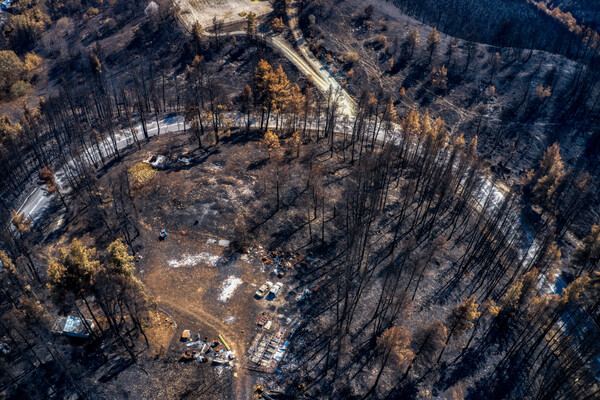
{"x": 159, "y": 162}
{"x": 264, "y": 289}
{"x": 275, "y": 290}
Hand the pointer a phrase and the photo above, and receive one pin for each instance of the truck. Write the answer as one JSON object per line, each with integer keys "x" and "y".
{"x": 275, "y": 290}
{"x": 264, "y": 289}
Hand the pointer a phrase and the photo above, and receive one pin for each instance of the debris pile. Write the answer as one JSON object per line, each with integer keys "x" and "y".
{"x": 265, "y": 322}
{"x": 156, "y": 160}
{"x": 220, "y": 242}
{"x": 202, "y": 350}
{"x": 280, "y": 261}
{"x": 183, "y": 162}
{"x": 267, "y": 350}
{"x": 73, "y": 326}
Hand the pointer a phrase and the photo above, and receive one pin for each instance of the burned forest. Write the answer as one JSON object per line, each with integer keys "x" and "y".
{"x": 300, "y": 199}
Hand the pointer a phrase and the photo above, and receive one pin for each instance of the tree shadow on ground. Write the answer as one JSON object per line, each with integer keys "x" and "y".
{"x": 408, "y": 390}
{"x": 118, "y": 366}
{"x": 470, "y": 363}
{"x": 498, "y": 386}
{"x": 256, "y": 165}
{"x": 287, "y": 229}
{"x": 240, "y": 137}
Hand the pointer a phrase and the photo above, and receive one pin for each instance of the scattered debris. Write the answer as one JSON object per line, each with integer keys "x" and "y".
{"x": 262, "y": 320}
{"x": 280, "y": 261}
{"x": 216, "y": 166}
{"x": 223, "y": 357}
{"x": 188, "y": 355}
{"x": 156, "y": 161}
{"x": 302, "y": 296}
{"x": 268, "y": 324}
{"x": 199, "y": 344}
{"x": 278, "y": 356}
{"x": 229, "y": 286}
{"x": 204, "y": 351}
{"x": 195, "y": 355}
{"x": 267, "y": 350}
{"x": 220, "y": 242}
{"x": 224, "y": 342}
{"x": 183, "y": 162}
{"x": 160, "y": 163}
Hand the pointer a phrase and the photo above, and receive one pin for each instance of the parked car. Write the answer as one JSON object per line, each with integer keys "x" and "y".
{"x": 275, "y": 290}
{"x": 264, "y": 289}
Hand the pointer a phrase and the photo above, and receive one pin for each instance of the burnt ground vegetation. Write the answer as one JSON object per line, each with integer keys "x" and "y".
{"x": 428, "y": 276}
{"x": 518, "y": 102}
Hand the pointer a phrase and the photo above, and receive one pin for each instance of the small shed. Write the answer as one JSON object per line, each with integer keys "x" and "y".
{"x": 73, "y": 326}
{"x": 151, "y": 8}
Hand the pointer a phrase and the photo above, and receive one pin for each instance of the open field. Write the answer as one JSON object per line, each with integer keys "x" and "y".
{"x": 199, "y": 274}
{"x": 204, "y": 11}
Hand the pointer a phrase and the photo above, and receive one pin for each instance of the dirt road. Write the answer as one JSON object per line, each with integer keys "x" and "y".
{"x": 308, "y": 65}
{"x": 325, "y": 78}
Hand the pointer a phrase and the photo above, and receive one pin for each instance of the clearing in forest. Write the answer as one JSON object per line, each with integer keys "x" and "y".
{"x": 229, "y": 11}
